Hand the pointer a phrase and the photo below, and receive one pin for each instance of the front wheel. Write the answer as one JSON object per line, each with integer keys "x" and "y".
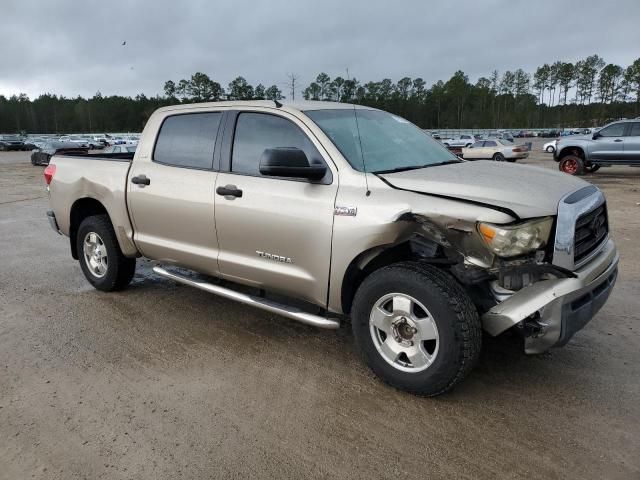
{"x": 550, "y": 149}
{"x": 416, "y": 328}
{"x": 572, "y": 165}
{"x": 102, "y": 262}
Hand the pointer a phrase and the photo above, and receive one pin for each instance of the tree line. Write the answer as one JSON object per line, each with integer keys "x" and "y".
{"x": 586, "y": 93}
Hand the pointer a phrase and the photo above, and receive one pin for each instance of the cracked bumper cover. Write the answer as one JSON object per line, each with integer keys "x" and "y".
{"x": 564, "y": 305}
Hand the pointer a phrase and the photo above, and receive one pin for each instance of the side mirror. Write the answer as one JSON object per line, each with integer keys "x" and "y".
{"x": 595, "y": 136}
{"x": 289, "y": 162}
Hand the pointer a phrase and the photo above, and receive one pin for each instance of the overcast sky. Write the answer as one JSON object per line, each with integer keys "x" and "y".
{"x": 75, "y": 47}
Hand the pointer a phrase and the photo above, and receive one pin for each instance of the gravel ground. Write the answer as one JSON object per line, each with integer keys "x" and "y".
{"x": 164, "y": 381}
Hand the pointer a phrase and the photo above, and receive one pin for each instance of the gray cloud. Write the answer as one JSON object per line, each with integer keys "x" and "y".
{"x": 74, "y": 47}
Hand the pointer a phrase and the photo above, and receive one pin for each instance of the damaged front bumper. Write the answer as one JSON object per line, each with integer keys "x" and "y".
{"x": 559, "y": 307}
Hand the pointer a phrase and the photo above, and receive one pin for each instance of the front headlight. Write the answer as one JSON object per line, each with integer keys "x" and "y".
{"x": 514, "y": 240}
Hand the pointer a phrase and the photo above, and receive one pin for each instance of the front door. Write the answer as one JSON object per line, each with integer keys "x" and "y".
{"x": 171, "y": 195}
{"x": 274, "y": 233}
{"x": 609, "y": 143}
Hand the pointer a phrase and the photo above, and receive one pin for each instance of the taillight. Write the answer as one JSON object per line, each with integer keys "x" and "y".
{"x": 517, "y": 150}
{"x": 49, "y": 172}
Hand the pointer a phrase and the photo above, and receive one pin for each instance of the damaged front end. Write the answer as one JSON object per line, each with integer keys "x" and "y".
{"x": 539, "y": 295}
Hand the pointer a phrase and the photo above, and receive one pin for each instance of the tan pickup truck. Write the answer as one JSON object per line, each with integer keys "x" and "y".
{"x": 324, "y": 212}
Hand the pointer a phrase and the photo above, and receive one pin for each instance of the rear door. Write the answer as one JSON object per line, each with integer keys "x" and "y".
{"x": 475, "y": 150}
{"x": 609, "y": 143}
{"x": 490, "y": 147}
{"x": 632, "y": 143}
{"x": 277, "y": 233}
{"x": 171, "y": 194}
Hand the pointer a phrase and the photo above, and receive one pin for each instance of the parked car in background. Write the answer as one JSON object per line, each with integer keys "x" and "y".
{"x": 615, "y": 144}
{"x": 80, "y": 142}
{"x": 101, "y": 139}
{"x": 550, "y": 147}
{"x": 495, "y": 149}
{"x": 120, "y": 149}
{"x": 461, "y": 141}
{"x": 11, "y": 143}
{"x": 42, "y": 155}
{"x": 88, "y": 142}
{"x": 498, "y": 135}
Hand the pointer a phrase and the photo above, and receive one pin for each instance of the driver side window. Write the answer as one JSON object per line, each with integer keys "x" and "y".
{"x": 255, "y": 132}
{"x": 615, "y": 130}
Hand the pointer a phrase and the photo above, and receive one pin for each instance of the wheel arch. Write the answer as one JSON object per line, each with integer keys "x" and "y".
{"x": 81, "y": 209}
{"x": 367, "y": 262}
{"x": 571, "y": 150}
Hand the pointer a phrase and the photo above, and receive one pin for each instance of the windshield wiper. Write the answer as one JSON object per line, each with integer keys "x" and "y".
{"x": 414, "y": 167}
{"x": 400, "y": 169}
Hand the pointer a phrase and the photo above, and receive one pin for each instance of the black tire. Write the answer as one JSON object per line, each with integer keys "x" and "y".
{"x": 119, "y": 270}
{"x": 511, "y": 160}
{"x": 446, "y": 145}
{"x": 498, "y": 157}
{"x": 571, "y": 165}
{"x": 591, "y": 168}
{"x": 453, "y": 312}
{"x": 550, "y": 149}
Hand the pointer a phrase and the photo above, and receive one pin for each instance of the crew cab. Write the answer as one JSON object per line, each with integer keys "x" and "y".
{"x": 617, "y": 143}
{"x": 327, "y": 213}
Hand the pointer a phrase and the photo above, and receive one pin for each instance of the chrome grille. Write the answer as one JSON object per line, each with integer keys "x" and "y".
{"x": 575, "y": 240}
{"x": 591, "y": 230}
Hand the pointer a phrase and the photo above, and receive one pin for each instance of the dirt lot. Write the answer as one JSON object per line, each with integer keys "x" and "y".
{"x": 163, "y": 381}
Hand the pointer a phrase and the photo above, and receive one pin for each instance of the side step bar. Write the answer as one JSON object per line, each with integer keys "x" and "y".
{"x": 263, "y": 303}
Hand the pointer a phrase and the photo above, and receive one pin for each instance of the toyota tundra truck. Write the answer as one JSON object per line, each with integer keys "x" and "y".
{"x": 328, "y": 213}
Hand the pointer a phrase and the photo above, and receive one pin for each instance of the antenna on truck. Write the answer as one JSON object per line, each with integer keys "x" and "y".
{"x": 278, "y": 104}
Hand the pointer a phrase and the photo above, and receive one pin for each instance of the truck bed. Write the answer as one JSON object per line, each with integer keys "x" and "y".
{"x": 84, "y": 177}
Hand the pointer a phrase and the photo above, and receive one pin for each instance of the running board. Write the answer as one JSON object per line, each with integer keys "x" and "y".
{"x": 263, "y": 303}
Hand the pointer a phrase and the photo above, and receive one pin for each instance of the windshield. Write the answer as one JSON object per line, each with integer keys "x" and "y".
{"x": 376, "y": 141}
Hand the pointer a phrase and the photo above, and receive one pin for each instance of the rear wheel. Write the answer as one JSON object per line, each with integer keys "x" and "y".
{"x": 572, "y": 165}
{"x": 102, "y": 262}
{"x": 416, "y": 328}
{"x": 498, "y": 157}
{"x": 591, "y": 168}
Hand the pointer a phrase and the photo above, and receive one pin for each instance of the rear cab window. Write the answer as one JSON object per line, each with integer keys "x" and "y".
{"x": 188, "y": 140}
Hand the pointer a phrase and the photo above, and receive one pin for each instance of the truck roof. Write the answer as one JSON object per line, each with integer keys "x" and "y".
{"x": 302, "y": 105}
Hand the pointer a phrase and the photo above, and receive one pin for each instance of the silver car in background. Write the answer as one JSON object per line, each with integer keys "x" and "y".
{"x": 495, "y": 149}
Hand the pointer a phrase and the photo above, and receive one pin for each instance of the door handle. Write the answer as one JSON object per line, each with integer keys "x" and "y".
{"x": 229, "y": 192}
{"x": 618, "y": 140}
{"x": 141, "y": 180}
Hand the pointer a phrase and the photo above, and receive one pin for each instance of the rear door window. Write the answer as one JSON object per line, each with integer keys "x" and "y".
{"x": 188, "y": 140}
{"x": 635, "y": 129}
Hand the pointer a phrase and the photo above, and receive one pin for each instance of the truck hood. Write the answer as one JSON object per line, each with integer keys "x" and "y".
{"x": 525, "y": 190}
